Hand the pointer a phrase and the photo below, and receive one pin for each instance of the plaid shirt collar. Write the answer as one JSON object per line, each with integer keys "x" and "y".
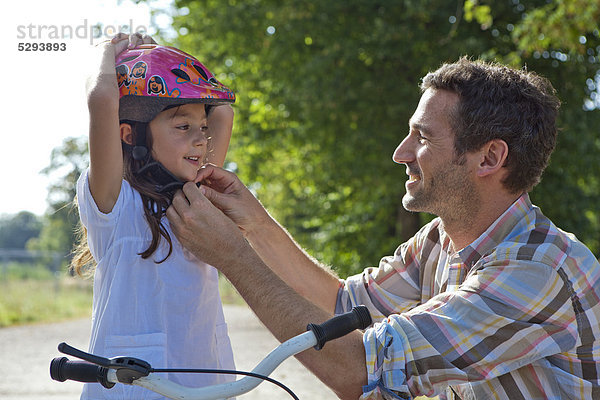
{"x": 497, "y": 232}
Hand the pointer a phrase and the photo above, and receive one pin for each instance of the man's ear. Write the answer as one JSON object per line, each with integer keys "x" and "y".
{"x": 493, "y": 157}
{"x": 126, "y": 134}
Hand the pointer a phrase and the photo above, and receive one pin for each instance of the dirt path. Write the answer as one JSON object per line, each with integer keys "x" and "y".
{"x": 26, "y": 351}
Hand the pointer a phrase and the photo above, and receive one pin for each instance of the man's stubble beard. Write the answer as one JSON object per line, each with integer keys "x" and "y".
{"x": 450, "y": 194}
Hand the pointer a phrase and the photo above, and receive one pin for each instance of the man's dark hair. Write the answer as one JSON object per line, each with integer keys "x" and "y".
{"x": 497, "y": 102}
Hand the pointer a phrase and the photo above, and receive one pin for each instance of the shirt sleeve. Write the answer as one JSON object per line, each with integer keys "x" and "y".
{"x": 395, "y": 286}
{"x": 507, "y": 314}
{"x": 100, "y": 226}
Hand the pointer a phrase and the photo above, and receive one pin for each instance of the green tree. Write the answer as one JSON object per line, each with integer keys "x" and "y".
{"x": 325, "y": 90}
{"x": 561, "y": 40}
{"x": 67, "y": 163}
{"x": 17, "y": 229}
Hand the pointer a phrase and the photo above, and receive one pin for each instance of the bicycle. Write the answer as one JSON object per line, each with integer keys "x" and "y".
{"x": 133, "y": 371}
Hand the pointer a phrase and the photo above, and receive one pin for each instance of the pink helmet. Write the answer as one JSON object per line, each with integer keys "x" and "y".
{"x": 153, "y": 77}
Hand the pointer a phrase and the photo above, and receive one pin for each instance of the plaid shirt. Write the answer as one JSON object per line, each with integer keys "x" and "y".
{"x": 514, "y": 315}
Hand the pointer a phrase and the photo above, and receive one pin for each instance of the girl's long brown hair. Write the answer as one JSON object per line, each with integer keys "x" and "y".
{"x": 155, "y": 206}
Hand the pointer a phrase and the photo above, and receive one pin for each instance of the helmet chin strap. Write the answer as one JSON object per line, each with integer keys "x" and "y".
{"x": 165, "y": 182}
{"x": 140, "y": 149}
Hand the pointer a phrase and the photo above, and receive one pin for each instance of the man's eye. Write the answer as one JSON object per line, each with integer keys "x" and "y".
{"x": 421, "y": 138}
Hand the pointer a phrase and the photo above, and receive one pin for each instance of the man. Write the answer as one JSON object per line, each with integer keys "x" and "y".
{"x": 489, "y": 300}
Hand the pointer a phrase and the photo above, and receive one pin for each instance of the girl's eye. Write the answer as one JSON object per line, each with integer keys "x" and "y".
{"x": 183, "y": 127}
{"x": 204, "y": 128}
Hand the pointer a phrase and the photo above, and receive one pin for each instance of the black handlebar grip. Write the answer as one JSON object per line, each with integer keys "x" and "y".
{"x": 340, "y": 325}
{"x": 61, "y": 369}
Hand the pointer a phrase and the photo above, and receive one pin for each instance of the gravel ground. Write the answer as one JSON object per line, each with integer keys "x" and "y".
{"x": 26, "y": 352}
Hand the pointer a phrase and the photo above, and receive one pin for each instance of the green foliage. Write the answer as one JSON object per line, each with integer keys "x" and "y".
{"x": 325, "y": 90}
{"x": 56, "y": 234}
{"x": 480, "y": 13}
{"x": 560, "y": 25}
{"x": 67, "y": 163}
{"x": 31, "y": 293}
{"x": 564, "y": 46}
{"x": 33, "y": 300}
{"x": 24, "y": 270}
{"x": 16, "y": 230}
{"x": 69, "y": 160}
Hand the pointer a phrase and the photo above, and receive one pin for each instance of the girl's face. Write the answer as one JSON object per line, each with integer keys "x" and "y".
{"x": 179, "y": 140}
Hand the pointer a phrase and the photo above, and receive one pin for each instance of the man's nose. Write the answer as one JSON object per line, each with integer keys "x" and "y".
{"x": 404, "y": 153}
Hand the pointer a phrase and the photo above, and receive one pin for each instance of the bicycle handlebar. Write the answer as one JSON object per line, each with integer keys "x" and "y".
{"x": 134, "y": 371}
{"x": 340, "y": 325}
{"x": 61, "y": 369}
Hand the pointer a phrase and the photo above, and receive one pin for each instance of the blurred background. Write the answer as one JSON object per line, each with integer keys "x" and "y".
{"x": 324, "y": 93}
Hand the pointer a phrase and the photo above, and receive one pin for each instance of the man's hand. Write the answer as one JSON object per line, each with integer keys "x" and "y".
{"x": 213, "y": 237}
{"x": 275, "y": 246}
{"x": 226, "y": 192}
{"x": 203, "y": 229}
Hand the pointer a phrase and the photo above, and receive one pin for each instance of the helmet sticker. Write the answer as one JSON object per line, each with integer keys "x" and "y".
{"x": 134, "y": 83}
{"x": 139, "y": 70}
{"x": 158, "y": 87}
{"x": 123, "y": 75}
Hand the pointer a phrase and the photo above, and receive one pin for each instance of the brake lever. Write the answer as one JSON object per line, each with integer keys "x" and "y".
{"x": 94, "y": 359}
{"x": 127, "y": 369}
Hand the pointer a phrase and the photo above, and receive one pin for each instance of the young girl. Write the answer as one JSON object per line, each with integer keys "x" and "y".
{"x": 156, "y": 115}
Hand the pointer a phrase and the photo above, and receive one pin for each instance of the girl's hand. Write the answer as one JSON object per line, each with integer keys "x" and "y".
{"x": 123, "y": 41}
{"x": 103, "y": 85}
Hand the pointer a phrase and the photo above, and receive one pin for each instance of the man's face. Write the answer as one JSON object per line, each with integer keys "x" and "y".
{"x": 438, "y": 182}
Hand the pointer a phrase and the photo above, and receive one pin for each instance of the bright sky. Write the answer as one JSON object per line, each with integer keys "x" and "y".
{"x": 45, "y": 90}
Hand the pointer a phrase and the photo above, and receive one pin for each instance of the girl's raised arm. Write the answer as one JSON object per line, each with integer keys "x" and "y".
{"x": 106, "y": 157}
{"x": 106, "y": 154}
{"x": 220, "y": 123}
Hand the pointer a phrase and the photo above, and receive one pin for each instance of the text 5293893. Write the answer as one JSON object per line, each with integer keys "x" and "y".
{"x": 43, "y": 46}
